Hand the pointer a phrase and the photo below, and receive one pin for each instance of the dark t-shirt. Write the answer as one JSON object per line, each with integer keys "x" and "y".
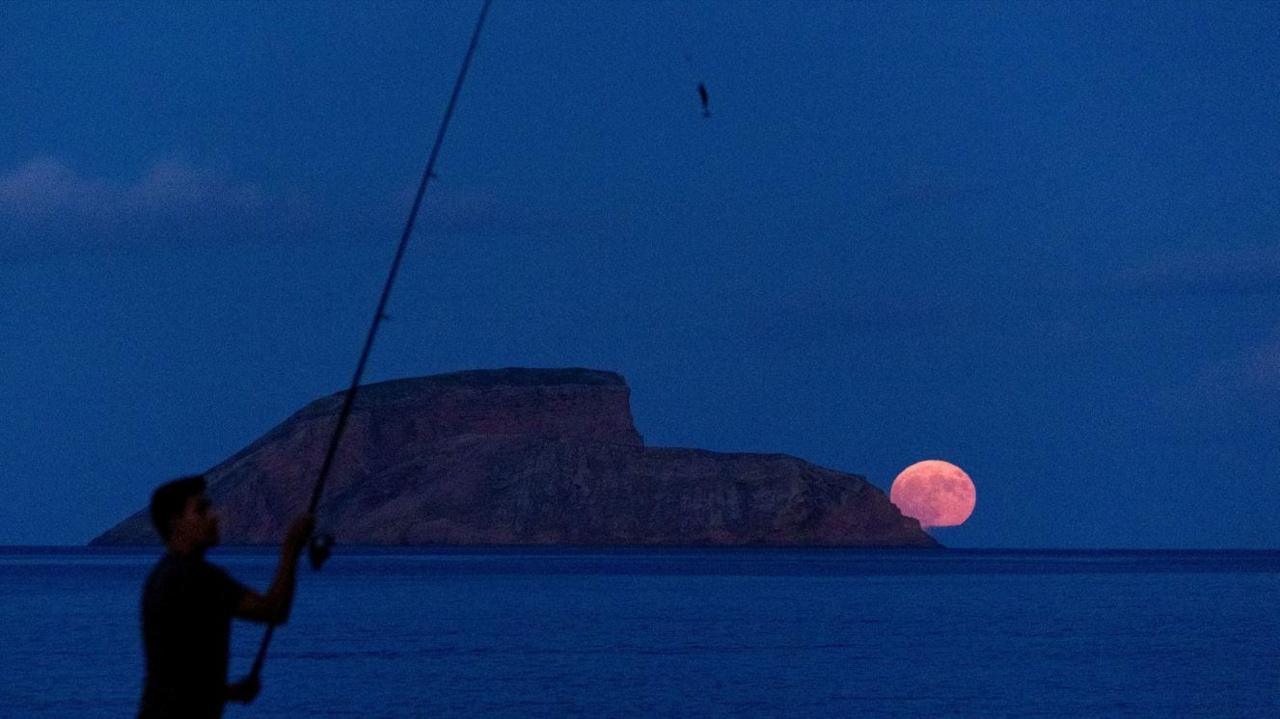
{"x": 186, "y": 630}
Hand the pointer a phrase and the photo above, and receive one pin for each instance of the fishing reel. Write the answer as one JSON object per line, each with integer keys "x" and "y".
{"x": 319, "y": 549}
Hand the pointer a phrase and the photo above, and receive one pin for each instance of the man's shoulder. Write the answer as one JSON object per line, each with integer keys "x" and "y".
{"x": 164, "y": 567}
{"x": 173, "y": 569}
{"x": 189, "y": 581}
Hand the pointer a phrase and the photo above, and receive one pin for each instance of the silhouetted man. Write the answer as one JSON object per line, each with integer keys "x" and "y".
{"x": 187, "y": 606}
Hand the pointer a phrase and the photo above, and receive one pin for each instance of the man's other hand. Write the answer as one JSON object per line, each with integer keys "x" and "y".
{"x": 245, "y": 690}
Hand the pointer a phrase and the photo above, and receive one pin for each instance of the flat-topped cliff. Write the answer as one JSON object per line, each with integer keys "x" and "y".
{"x": 527, "y": 456}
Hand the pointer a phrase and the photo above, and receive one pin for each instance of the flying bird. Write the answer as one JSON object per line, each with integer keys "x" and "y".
{"x": 702, "y": 93}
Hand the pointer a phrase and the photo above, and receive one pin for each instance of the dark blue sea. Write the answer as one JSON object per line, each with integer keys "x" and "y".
{"x": 685, "y": 633}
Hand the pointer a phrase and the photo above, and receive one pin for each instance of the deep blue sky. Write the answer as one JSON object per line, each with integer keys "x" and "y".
{"x": 1040, "y": 241}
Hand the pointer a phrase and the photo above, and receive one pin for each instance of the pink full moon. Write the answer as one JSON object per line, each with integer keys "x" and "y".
{"x": 937, "y": 493}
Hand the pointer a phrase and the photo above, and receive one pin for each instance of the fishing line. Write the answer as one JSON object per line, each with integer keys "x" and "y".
{"x": 320, "y": 549}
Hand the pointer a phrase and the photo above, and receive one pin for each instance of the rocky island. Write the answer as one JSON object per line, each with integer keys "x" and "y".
{"x": 528, "y": 457}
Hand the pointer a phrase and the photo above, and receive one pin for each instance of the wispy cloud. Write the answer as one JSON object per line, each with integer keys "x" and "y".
{"x": 916, "y": 186}
{"x": 1210, "y": 273}
{"x": 47, "y": 206}
{"x": 1247, "y": 377}
{"x": 1261, "y": 366}
{"x": 45, "y": 187}
{"x": 469, "y": 211}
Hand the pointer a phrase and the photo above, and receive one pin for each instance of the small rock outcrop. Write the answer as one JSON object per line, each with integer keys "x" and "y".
{"x": 528, "y": 456}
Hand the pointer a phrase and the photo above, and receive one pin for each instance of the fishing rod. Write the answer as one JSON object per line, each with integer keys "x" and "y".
{"x": 322, "y": 544}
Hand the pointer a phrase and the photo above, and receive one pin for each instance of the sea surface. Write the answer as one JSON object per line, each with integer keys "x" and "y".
{"x": 684, "y": 633}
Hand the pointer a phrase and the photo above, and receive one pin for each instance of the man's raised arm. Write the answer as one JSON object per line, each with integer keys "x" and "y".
{"x": 273, "y": 608}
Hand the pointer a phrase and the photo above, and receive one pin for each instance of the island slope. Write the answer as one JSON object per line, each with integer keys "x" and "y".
{"x": 528, "y": 456}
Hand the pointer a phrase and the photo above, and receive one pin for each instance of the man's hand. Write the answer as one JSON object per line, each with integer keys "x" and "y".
{"x": 245, "y": 690}
{"x": 295, "y": 540}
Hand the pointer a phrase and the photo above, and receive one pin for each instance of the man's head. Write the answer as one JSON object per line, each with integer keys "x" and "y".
{"x": 183, "y": 514}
